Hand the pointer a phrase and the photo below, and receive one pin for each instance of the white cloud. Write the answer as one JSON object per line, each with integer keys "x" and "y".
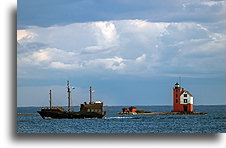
{"x": 25, "y": 35}
{"x": 213, "y": 3}
{"x": 60, "y": 65}
{"x": 207, "y": 4}
{"x": 42, "y": 55}
{"x": 139, "y": 23}
{"x": 136, "y": 47}
{"x": 114, "y": 64}
{"x": 141, "y": 58}
{"x": 202, "y": 27}
{"x": 106, "y": 31}
{"x": 217, "y": 37}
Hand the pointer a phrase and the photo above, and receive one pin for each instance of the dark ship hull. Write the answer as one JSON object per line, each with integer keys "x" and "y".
{"x": 69, "y": 115}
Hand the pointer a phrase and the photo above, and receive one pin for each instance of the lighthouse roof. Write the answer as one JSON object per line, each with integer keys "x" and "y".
{"x": 187, "y": 93}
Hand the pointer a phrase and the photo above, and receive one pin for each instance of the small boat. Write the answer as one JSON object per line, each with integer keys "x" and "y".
{"x": 87, "y": 110}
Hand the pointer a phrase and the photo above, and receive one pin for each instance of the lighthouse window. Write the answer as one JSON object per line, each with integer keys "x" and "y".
{"x": 185, "y": 95}
{"x": 185, "y": 101}
{"x": 176, "y": 95}
{"x": 176, "y": 101}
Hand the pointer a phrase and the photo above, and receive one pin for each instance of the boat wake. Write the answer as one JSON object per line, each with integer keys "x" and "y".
{"x": 121, "y": 118}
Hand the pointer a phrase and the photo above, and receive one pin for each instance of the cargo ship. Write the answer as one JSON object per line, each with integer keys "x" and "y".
{"x": 87, "y": 110}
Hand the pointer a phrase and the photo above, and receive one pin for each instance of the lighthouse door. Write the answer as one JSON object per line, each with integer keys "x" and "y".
{"x": 185, "y": 108}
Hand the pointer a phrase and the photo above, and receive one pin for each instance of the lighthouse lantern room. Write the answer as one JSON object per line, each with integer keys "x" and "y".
{"x": 182, "y": 99}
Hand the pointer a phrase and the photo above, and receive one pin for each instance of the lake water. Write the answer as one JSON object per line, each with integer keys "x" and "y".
{"x": 214, "y": 122}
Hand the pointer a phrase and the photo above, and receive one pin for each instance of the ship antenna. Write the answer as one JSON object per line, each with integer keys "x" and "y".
{"x": 69, "y": 95}
{"x": 90, "y": 94}
{"x": 50, "y": 99}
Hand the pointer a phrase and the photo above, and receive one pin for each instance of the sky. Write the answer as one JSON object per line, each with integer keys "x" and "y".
{"x": 130, "y": 52}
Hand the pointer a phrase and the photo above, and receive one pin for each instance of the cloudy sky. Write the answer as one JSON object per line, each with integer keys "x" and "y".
{"x": 130, "y": 52}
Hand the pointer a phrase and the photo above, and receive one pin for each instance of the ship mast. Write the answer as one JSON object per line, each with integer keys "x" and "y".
{"x": 90, "y": 94}
{"x": 50, "y": 99}
{"x": 69, "y": 95}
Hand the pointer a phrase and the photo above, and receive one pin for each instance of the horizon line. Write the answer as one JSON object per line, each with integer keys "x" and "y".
{"x": 128, "y": 105}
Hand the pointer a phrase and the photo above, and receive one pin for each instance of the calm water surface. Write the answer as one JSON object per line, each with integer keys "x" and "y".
{"x": 214, "y": 122}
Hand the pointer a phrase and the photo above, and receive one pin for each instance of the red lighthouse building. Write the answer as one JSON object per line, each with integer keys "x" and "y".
{"x": 182, "y": 100}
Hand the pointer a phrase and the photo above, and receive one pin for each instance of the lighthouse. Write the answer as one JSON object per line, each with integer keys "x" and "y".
{"x": 182, "y": 99}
